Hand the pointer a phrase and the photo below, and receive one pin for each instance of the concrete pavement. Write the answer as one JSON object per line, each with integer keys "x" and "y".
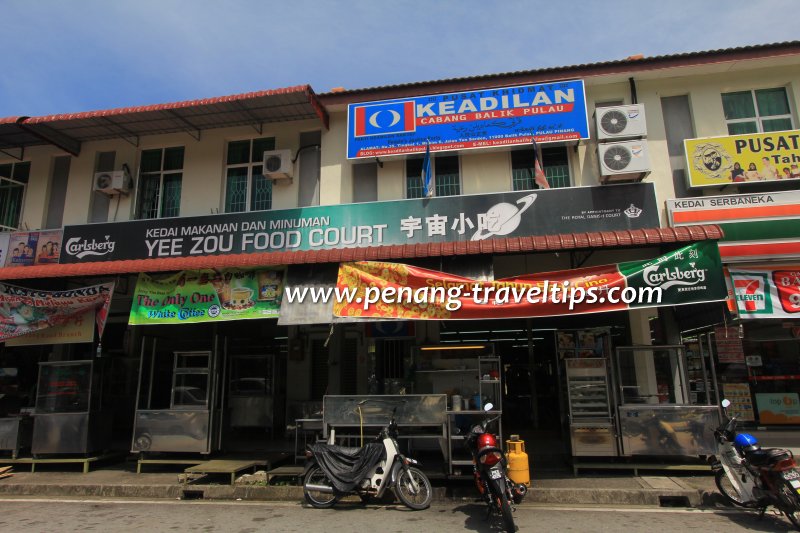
{"x": 121, "y": 482}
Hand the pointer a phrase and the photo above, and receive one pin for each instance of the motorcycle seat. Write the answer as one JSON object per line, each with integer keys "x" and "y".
{"x": 767, "y": 456}
{"x": 351, "y": 451}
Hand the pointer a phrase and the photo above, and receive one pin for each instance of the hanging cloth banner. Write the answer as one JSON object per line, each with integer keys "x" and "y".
{"x": 24, "y": 311}
{"x": 207, "y": 296}
{"x": 691, "y": 274}
{"x": 766, "y": 292}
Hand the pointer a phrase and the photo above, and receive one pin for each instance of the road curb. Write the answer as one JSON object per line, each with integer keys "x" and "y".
{"x": 564, "y": 496}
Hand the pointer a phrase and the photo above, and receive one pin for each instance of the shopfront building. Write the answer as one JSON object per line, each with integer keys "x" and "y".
{"x": 218, "y": 233}
{"x": 757, "y": 352}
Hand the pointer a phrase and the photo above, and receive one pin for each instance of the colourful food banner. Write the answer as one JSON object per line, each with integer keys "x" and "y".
{"x": 389, "y": 290}
{"x": 750, "y": 158}
{"x": 766, "y": 292}
{"x": 207, "y": 295}
{"x": 502, "y": 116}
{"x": 25, "y": 311}
{"x": 79, "y": 328}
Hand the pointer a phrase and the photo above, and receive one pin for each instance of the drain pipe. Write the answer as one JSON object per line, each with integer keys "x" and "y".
{"x": 633, "y": 90}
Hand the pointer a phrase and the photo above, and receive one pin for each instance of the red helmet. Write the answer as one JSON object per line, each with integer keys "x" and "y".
{"x": 487, "y": 440}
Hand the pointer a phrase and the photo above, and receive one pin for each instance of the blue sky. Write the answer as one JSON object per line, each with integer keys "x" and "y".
{"x": 80, "y": 55}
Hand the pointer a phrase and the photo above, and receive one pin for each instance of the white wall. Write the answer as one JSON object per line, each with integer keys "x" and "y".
{"x": 482, "y": 171}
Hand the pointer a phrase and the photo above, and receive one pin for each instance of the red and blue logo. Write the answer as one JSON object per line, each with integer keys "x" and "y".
{"x": 379, "y": 119}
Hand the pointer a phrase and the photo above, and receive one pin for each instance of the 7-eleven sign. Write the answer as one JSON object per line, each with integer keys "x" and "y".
{"x": 752, "y": 293}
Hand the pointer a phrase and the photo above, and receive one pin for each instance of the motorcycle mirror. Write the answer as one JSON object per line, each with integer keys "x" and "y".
{"x": 488, "y": 407}
{"x": 726, "y": 403}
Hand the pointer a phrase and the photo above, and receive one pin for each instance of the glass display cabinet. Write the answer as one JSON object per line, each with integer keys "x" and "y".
{"x": 659, "y": 413}
{"x": 67, "y": 417}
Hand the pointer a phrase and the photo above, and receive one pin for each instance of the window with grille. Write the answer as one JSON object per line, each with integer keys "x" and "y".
{"x": 446, "y": 176}
{"x": 554, "y": 160}
{"x": 246, "y": 188}
{"x": 13, "y": 181}
{"x": 757, "y": 111}
{"x": 160, "y": 181}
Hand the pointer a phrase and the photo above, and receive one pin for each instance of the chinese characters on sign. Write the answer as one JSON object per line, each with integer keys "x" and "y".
{"x": 434, "y": 220}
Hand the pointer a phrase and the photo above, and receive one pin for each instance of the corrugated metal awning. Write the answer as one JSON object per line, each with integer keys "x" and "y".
{"x": 68, "y": 131}
{"x": 509, "y": 245}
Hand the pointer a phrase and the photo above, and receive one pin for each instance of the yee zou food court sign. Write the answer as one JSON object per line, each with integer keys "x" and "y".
{"x": 476, "y": 119}
{"x": 436, "y": 220}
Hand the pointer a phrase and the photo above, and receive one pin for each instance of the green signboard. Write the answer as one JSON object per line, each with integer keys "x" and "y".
{"x": 207, "y": 296}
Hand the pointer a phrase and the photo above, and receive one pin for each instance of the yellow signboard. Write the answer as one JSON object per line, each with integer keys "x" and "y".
{"x": 743, "y": 158}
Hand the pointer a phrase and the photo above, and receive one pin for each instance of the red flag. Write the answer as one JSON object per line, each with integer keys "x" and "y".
{"x": 538, "y": 171}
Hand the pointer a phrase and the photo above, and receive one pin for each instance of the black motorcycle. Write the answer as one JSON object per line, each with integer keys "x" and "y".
{"x": 336, "y": 471}
{"x": 490, "y": 470}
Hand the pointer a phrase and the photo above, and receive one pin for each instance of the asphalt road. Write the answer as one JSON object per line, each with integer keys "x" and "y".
{"x": 23, "y": 515}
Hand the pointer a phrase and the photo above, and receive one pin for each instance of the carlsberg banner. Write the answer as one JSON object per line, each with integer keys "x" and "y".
{"x": 691, "y": 274}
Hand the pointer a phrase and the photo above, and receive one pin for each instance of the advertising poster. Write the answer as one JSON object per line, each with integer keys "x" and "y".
{"x": 79, "y": 328}
{"x": 778, "y": 407}
{"x": 22, "y": 248}
{"x": 503, "y": 116}
{"x": 49, "y": 247}
{"x": 741, "y": 402}
{"x": 25, "y": 311}
{"x": 766, "y": 292}
{"x": 749, "y": 158}
{"x": 208, "y": 295}
{"x": 729, "y": 345}
{"x": 688, "y": 275}
{"x": 464, "y": 218}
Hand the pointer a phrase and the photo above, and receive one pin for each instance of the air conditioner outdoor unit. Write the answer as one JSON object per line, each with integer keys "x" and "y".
{"x": 620, "y": 122}
{"x": 278, "y": 165}
{"x": 112, "y": 183}
{"x": 623, "y": 161}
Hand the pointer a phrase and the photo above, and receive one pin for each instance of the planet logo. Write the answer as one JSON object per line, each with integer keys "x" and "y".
{"x": 503, "y": 218}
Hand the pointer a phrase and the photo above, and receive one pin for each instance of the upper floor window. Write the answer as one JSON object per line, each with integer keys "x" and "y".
{"x": 13, "y": 180}
{"x": 446, "y": 176}
{"x": 757, "y": 111}
{"x": 554, "y": 160}
{"x": 246, "y": 188}
{"x": 160, "y": 177}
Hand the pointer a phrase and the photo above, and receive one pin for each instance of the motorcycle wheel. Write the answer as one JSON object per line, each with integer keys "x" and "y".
{"x": 507, "y": 512}
{"x": 319, "y": 500}
{"x": 727, "y": 489}
{"x": 405, "y": 492}
{"x": 791, "y": 504}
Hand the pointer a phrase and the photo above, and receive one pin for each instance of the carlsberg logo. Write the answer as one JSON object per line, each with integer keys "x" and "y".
{"x": 672, "y": 276}
{"x": 81, "y": 248}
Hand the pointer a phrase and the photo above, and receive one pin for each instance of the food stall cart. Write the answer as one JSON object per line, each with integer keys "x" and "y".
{"x": 419, "y": 416}
{"x": 68, "y": 418}
{"x": 251, "y": 392}
{"x": 188, "y": 420}
{"x": 659, "y": 414}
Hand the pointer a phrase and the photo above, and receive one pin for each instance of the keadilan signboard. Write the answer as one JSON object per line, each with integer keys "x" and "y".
{"x": 442, "y": 219}
{"x": 503, "y": 116}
